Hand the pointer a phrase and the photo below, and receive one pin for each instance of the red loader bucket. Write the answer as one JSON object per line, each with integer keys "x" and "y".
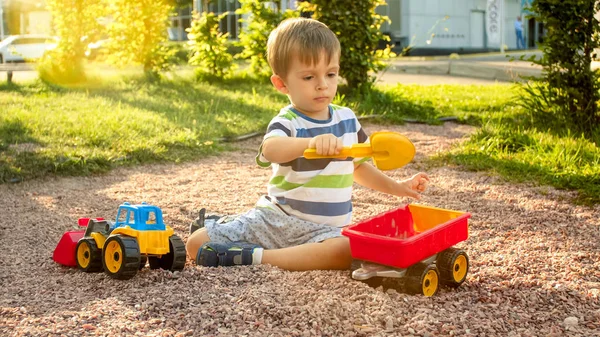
{"x": 65, "y": 249}
{"x": 64, "y": 253}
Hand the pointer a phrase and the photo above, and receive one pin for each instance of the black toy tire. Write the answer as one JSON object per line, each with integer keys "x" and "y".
{"x": 422, "y": 278}
{"x": 89, "y": 259}
{"x": 121, "y": 257}
{"x": 453, "y": 264}
{"x": 174, "y": 260}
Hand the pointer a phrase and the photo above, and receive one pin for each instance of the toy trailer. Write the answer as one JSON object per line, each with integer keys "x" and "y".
{"x": 413, "y": 242}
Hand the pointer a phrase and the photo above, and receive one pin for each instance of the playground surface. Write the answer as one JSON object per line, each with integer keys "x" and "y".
{"x": 535, "y": 259}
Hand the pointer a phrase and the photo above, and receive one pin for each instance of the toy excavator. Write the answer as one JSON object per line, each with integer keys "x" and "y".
{"x": 121, "y": 248}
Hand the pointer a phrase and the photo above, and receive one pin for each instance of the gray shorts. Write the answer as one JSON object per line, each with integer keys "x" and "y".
{"x": 270, "y": 228}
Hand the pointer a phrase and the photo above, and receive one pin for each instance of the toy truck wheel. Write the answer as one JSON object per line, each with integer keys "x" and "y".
{"x": 453, "y": 264}
{"x": 88, "y": 256}
{"x": 174, "y": 260}
{"x": 422, "y": 278}
{"x": 121, "y": 257}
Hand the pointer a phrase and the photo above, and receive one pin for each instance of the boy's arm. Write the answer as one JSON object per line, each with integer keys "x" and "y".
{"x": 368, "y": 176}
{"x": 285, "y": 149}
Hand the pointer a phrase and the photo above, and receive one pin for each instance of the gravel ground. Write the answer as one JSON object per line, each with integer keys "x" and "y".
{"x": 535, "y": 260}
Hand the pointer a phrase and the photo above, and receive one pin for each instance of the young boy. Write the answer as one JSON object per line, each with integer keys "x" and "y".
{"x": 297, "y": 226}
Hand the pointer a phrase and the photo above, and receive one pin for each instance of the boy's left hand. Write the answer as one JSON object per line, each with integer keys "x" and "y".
{"x": 416, "y": 184}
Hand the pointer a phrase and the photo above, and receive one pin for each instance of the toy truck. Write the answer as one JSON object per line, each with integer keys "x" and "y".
{"x": 413, "y": 242}
{"x": 121, "y": 248}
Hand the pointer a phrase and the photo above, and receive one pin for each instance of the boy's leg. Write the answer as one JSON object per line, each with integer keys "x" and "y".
{"x": 329, "y": 254}
{"x": 195, "y": 241}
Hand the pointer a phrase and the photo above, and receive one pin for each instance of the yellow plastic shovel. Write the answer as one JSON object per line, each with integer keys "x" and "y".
{"x": 389, "y": 150}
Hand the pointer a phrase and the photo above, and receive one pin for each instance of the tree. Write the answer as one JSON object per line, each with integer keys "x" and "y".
{"x": 567, "y": 93}
{"x": 73, "y": 21}
{"x": 261, "y": 20}
{"x": 209, "y": 46}
{"x": 138, "y": 32}
{"x": 357, "y": 26}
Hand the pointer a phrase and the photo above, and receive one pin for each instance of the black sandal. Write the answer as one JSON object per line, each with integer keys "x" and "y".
{"x": 213, "y": 254}
{"x": 199, "y": 222}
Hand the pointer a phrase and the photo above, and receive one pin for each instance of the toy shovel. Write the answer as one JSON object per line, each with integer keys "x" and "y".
{"x": 389, "y": 150}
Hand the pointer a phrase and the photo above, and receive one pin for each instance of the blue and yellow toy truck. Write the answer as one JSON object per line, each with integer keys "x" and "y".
{"x": 121, "y": 248}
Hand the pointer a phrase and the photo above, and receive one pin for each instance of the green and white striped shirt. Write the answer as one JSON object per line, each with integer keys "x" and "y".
{"x": 316, "y": 190}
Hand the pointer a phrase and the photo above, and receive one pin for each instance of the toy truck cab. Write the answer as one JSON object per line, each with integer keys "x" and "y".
{"x": 144, "y": 222}
{"x": 140, "y": 217}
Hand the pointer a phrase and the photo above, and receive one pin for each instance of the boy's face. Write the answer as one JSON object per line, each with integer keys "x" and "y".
{"x": 310, "y": 87}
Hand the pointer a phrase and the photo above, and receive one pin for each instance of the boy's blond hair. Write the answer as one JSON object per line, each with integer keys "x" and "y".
{"x": 305, "y": 38}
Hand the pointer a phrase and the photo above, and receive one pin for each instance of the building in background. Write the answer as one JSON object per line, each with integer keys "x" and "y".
{"x": 427, "y": 26}
{"x": 19, "y": 17}
{"x": 231, "y": 23}
{"x": 463, "y": 26}
{"x": 24, "y": 17}
{"x": 180, "y": 21}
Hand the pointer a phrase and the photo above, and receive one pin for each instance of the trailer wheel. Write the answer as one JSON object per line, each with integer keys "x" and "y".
{"x": 453, "y": 264}
{"x": 88, "y": 256}
{"x": 121, "y": 257}
{"x": 422, "y": 279}
{"x": 174, "y": 260}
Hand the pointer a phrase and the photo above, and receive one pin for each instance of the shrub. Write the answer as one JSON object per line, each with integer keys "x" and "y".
{"x": 180, "y": 51}
{"x": 73, "y": 22}
{"x": 566, "y": 95}
{"x": 209, "y": 46}
{"x": 138, "y": 34}
{"x": 262, "y": 19}
{"x": 357, "y": 26}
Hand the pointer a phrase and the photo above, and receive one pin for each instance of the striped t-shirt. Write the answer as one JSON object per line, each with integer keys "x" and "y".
{"x": 316, "y": 190}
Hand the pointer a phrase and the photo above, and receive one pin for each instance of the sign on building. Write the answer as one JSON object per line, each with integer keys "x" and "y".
{"x": 494, "y": 22}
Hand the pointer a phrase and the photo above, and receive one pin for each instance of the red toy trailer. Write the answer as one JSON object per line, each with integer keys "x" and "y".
{"x": 412, "y": 242}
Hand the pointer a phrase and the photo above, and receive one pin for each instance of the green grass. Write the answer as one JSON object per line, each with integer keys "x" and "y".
{"x": 82, "y": 131}
{"x": 119, "y": 121}
{"x": 508, "y": 143}
{"x": 469, "y": 103}
{"x": 528, "y": 155}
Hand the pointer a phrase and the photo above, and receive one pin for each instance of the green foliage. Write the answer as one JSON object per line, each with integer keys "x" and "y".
{"x": 180, "y": 52}
{"x": 73, "y": 22}
{"x": 46, "y": 130}
{"x": 357, "y": 26}
{"x": 209, "y": 46}
{"x": 468, "y": 103}
{"x": 262, "y": 19}
{"x": 567, "y": 94}
{"x": 530, "y": 155}
{"x": 508, "y": 143}
{"x": 138, "y": 35}
{"x": 181, "y": 3}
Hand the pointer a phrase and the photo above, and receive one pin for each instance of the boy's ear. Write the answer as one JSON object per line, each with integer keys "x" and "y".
{"x": 279, "y": 84}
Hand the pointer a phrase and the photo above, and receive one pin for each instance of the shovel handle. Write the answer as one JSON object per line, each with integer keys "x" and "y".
{"x": 356, "y": 151}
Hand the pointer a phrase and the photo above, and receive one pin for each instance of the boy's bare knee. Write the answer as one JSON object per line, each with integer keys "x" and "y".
{"x": 340, "y": 251}
{"x": 195, "y": 241}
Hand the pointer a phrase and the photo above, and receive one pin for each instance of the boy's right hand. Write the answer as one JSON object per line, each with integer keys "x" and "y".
{"x": 326, "y": 145}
